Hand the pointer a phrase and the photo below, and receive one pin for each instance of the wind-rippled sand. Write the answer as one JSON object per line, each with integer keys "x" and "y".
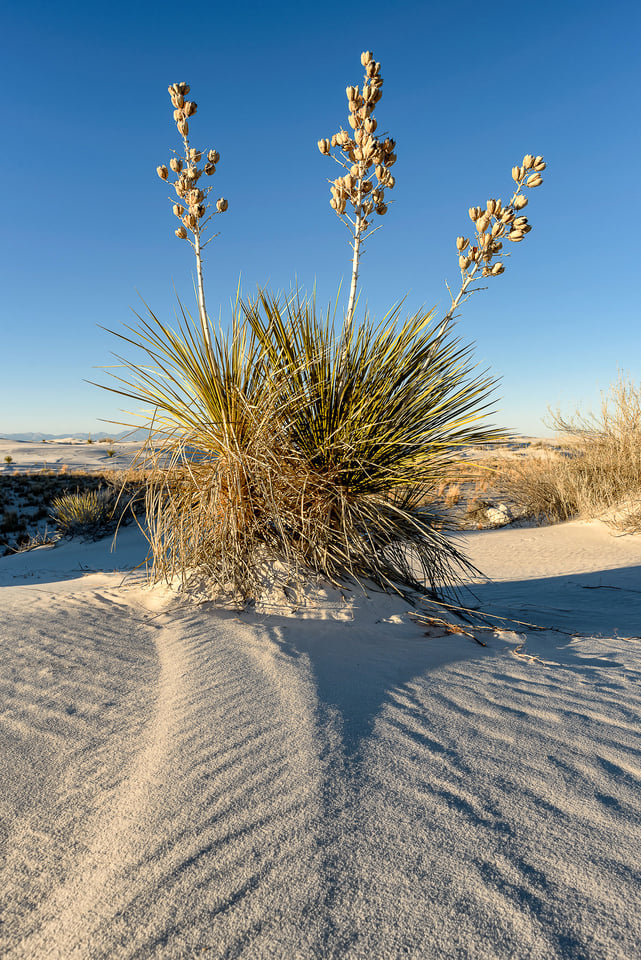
{"x": 181, "y": 781}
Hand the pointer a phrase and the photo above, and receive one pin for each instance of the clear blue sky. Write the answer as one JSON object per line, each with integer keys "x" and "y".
{"x": 469, "y": 88}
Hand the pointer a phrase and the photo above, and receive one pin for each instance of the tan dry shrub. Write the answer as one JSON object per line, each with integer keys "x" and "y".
{"x": 599, "y": 468}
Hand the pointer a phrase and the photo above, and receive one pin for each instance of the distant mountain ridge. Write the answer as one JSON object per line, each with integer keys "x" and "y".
{"x": 39, "y": 437}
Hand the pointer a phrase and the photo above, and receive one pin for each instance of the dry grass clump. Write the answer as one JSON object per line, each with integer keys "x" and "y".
{"x": 598, "y": 471}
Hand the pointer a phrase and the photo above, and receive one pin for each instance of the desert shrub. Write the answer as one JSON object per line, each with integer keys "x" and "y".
{"x": 8, "y": 459}
{"x": 88, "y": 513}
{"x": 599, "y": 468}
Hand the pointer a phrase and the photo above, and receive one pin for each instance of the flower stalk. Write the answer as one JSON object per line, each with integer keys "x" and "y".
{"x": 493, "y": 224}
{"x": 192, "y": 208}
{"x": 367, "y": 158}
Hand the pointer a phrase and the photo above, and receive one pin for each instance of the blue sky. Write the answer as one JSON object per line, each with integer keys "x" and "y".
{"x": 469, "y": 88}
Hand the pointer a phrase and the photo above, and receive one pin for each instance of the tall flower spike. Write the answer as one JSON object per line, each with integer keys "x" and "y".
{"x": 367, "y": 159}
{"x": 193, "y": 210}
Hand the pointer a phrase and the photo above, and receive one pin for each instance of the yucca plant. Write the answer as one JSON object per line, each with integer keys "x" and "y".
{"x": 299, "y": 438}
{"x": 87, "y": 512}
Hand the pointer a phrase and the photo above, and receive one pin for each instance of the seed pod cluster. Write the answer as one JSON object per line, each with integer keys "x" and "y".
{"x": 366, "y": 156}
{"x": 495, "y": 222}
{"x": 192, "y": 211}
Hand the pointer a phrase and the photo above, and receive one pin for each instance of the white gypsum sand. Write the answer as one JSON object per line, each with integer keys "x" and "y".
{"x": 180, "y": 780}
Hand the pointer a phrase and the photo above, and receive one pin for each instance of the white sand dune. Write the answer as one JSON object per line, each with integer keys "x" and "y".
{"x": 182, "y": 781}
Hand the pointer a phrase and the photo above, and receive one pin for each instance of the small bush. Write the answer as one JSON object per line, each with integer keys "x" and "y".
{"x": 90, "y": 513}
{"x": 8, "y": 459}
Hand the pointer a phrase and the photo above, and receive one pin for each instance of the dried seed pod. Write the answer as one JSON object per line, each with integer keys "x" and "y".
{"x": 520, "y": 202}
{"x": 498, "y": 230}
{"x": 507, "y": 216}
{"x": 201, "y": 210}
{"x": 464, "y": 262}
{"x": 527, "y": 228}
{"x": 497, "y": 269}
{"x": 162, "y": 172}
{"x": 182, "y": 88}
{"x": 353, "y": 122}
{"x": 324, "y": 147}
{"x": 366, "y": 186}
{"x": 178, "y": 209}
{"x": 485, "y": 240}
{"x": 483, "y": 223}
{"x": 370, "y": 125}
{"x": 333, "y": 203}
{"x": 462, "y": 243}
{"x": 189, "y": 220}
{"x": 534, "y": 181}
{"x": 372, "y": 69}
{"x": 352, "y": 93}
{"x": 486, "y": 271}
{"x": 390, "y": 181}
{"x": 195, "y": 196}
{"x": 178, "y": 114}
{"x": 381, "y": 209}
{"x": 183, "y": 127}
{"x": 209, "y": 169}
{"x": 176, "y": 165}
{"x": 515, "y": 235}
{"x": 528, "y": 161}
{"x": 368, "y": 206}
{"x": 490, "y": 206}
{"x": 181, "y": 233}
{"x": 191, "y": 172}
{"x": 221, "y": 205}
{"x": 195, "y": 155}
{"x": 366, "y": 56}
{"x": 213, "y": 156}
{"x": 364, "y": 225}
{"x": 475, "y": 213}
{"x": 190, "y": 108}
{"x": 520, "y": 222}
{"x": 180, "y": 188}
{"x": 390, "y": 159}
{"x": 516, "y": 174}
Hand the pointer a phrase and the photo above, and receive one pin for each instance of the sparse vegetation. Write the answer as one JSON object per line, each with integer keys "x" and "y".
{"x": 8, "y": 459}
{"x": 597, "y": 470}
{"x": 26, "y": 499}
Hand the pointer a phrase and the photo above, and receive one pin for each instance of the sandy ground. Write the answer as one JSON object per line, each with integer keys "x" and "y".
{"x": 182, "y": 781}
